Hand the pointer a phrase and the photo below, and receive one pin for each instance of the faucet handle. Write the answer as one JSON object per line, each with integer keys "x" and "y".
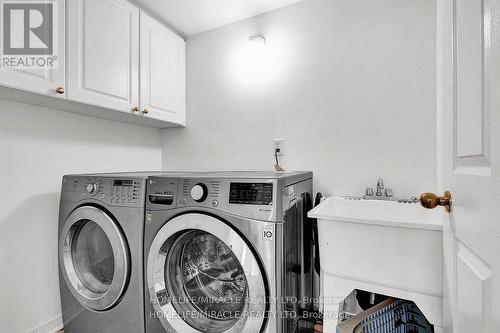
{"x": 369, "y": 192}
{"x": 380, "y": 187}
{"x": 388, "y": 192}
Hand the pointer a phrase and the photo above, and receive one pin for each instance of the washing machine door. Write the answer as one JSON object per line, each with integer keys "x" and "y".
{"x": 203, "y": 277}
{"x": 94, "y": 258}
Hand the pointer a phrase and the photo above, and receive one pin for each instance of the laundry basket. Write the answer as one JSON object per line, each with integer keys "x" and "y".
{"x": 389, "y": 316}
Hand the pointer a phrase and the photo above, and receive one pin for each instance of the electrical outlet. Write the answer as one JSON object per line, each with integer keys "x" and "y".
{"x": 279, "y": 144}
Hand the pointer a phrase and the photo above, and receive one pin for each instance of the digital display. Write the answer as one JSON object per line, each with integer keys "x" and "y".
{"x": 251, "y": 193}
{"x": 123, "y": 182}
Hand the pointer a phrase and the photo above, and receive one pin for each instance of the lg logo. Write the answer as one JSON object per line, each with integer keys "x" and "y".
{"x": 27, "y": 28}
{"x": 268, "y": 233}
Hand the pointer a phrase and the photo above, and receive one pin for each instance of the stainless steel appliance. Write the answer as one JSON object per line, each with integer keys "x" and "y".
{"x": 227, "y": 252}
{"x": 100, "y": 253}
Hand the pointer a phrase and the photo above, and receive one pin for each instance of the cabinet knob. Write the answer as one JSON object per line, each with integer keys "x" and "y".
{"x": 145, "y": 111}
{"x": 135, "y": 109}
{"x": 60, "y": 90}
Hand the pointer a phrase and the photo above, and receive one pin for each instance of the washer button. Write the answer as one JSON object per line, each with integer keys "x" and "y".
{"x": 215, "y": 203}
{"x": 123, "y": 197}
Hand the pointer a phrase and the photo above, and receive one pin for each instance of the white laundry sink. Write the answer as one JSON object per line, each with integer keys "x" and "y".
{"x": 380, "y": 246}
{"x": 379, "y": 212}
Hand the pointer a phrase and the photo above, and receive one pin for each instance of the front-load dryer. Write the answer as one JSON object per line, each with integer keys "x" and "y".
{"x": 100, "y": 253}
{"x": 226, "y": 252}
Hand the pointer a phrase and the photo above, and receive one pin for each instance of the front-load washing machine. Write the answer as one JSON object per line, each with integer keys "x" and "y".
{"x": 227, "y": 252}
{"x": 100, "y": 253}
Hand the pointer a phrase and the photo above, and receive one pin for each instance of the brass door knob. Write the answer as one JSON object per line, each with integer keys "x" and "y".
{"x": 135, "y": 109}
{"x": 60, "y": 90}
{"x": 145, "y": 111}
{"x": 430, "y": 200}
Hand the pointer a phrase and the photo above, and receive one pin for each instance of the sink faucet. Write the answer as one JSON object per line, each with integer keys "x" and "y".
{"x": 380, "y": 194}
{"x": 380, "y": 187}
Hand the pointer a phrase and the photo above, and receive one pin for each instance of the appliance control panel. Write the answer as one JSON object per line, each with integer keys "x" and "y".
{"x": 244, "y": 197}
{"x": 203, "y": 192}
{"x": 110, "y": 191}
{"x": 251, "y": 193}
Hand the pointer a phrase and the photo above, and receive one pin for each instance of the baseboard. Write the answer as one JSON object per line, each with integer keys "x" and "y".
{"x": 51, "y": 326}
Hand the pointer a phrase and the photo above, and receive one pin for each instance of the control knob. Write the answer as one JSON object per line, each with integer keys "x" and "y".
{"x": 92, "y": 188}
{"x": 199, "y": 192}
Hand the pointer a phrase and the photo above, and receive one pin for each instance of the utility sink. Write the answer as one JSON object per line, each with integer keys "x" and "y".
{"x": 379, "y": 212}
{"x": 382, "y": 246}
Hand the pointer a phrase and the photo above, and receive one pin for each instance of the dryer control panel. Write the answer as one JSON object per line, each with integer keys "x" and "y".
{"x": 110, "y": 191}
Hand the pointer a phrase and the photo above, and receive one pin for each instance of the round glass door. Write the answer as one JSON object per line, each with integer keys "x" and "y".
{"x": 94, "y": 258}
{"x": 204, "y": 278}
{"x": 208, "y": 280}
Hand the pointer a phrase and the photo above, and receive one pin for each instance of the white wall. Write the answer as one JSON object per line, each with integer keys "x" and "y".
{"x": 38, "y": 146}
{"x": 350, "y": 86}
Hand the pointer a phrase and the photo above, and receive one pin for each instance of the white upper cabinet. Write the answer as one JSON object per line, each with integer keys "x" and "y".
{"x": 45, "y": 80}
{"x": 162, "y": 72}
{"x": 103, "y": 54}
{"x": 113, "y": 62}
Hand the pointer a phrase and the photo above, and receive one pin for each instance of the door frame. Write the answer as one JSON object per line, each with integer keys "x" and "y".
{"x": 445, "y": 99}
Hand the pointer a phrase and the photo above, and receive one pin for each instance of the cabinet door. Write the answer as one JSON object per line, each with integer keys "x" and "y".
{"x": 48, "y": 78}
{"x": 103, "y": 53}
{"x": 163, "y": 72}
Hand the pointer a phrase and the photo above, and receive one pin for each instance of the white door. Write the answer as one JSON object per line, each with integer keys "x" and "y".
{"x": 44, "y": 81}
{"x": 103, "y": 53}
{"x": 163, "y": 72}
{"x": 469, "y": 123}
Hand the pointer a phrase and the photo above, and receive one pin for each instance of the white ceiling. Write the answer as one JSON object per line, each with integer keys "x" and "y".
{"x": 190, "y": 17}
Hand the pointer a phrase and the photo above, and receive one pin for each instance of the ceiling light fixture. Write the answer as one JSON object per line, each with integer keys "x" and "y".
{"x": 257, "y": 38}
